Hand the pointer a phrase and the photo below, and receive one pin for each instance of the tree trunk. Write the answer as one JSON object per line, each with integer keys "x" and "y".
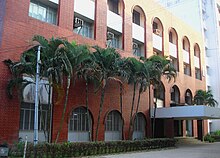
{"x": 132, "y": 108}
{"x": 100, "y": 111}
{"x": 154, "y": 119}
{"x": 121, "y": 109}
{"x": 87, "y": 109}
{"x": 64, "y": 109}
{"x": 149, "y": 95}
{"x": 138, "y": 102}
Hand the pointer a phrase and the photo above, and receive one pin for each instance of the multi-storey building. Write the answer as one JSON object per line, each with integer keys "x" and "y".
{"x": 205, "y": 20}
{"x": 134, "y": 29}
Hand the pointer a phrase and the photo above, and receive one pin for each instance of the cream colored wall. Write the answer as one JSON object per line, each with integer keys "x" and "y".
{"x": 152, "y": 10}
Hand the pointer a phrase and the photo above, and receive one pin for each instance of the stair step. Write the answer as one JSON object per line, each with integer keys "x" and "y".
{"x": 188, "y": 140}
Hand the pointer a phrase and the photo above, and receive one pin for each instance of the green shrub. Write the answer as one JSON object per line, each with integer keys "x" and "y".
{"x": 217, "y": 133}
{"x": 209, "y": 138}
{"x": 89, "y": 148}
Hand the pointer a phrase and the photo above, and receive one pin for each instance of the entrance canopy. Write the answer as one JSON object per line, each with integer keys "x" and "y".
{"x": 195, "y": 112}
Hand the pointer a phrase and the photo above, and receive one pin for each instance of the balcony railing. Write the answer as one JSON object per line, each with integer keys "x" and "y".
{"x": 157, "y": 42}
{"x": 160, "y": 103}
{"x": 185, "y": 56}
{"x": 173, "y": 50}
{"x": 55, "y": 1}
{"x": 196, "y": 62}
{"x": 114, "y": 21}
{"x": 87, "y": 10}
{"x": 138, "y": 32}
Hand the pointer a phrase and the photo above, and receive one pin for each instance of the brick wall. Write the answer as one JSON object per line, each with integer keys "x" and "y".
{"x": 19, "y": 28}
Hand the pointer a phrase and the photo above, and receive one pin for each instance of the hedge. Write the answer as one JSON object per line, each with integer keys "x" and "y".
{"x": 90, "y": 148}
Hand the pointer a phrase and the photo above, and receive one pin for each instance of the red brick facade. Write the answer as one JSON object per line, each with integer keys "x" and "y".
{"x": 19, "y": 28}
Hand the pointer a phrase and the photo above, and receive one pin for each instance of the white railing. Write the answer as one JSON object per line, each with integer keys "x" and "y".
{"x": 55, "y": 1}
{"x": 173, "y": 49}
{"x": 157, "y": 42}
{"x": 85, "y": 8}
{"x": 160, "y": 103}
{"x": 196, "y": 62}
{"x": 138, "y": 32}
{"x": 185, "y": 56}
{"x": 114, "y": 21}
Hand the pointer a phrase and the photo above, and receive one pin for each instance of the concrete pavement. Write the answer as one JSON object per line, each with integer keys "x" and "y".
{"x": 206, "y": 150}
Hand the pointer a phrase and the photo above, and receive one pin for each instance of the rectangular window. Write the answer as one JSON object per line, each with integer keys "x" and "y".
{"x": 187, "y": 69}
{"x": 86, "y": 30}
{"x": 138, "y": 49}
{"x": 198, "y": 74}
{"x": 43, "y": 12}
{"x": 136, "y": 17}
{"x": 27, "y": 117}
{"x": 174, "y": 63}
{"x": 115, "y": 43}
{"x": 113, "y": 6}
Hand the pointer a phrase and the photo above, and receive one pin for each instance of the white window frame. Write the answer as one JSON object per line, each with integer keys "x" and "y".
{"x": 113, "y": 122}
{"x": 139, "y": 123}
{"x": 35, "y": 8}
{"x": 79, "y": 120}
{"x": 86, "y": 30}
{"x": 28, "y": 109}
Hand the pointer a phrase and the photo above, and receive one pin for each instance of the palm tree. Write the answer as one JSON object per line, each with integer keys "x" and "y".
{"x": 107, "y": 69}
{"x": 59, "y": 59}
{"x": 204, "y": 98}
{"x": 138, "y": 76}
{"x": 88, "y": 71}
{"x": 159, "y": 66}
{"x": 73, "y": 56}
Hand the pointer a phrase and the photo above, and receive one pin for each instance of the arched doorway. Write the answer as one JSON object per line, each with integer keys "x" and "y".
{"x": 189, "y": 123}
{"x": 80, "y": 125}
{"x": 175, "y": 100}
{"x": 113, "y": 126}
{"x": 139, "y": 131}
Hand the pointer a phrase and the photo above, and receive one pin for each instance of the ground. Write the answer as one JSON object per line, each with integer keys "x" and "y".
{"x": 206, "y": 150}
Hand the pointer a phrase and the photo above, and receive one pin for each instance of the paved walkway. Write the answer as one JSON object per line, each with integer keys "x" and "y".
{"x": 207, "y": 150}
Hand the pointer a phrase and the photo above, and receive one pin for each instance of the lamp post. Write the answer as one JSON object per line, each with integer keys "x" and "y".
{"x": 36, "y": 99}
{"x": 154, "y": 116}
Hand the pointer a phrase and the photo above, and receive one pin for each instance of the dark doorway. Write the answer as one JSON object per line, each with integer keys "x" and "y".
{"x": 159, "y": 128}
{"x": 178, "y": 128}
{"x": 199, "y": 129}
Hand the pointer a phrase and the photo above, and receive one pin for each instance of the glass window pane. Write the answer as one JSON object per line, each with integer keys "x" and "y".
{"x": 32, "y": 120}
{"x": 21, "y": 119}
{"x": 27, "y": 119}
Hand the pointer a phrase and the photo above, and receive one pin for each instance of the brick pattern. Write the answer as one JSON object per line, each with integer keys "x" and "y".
{"x": 19, "y": 28}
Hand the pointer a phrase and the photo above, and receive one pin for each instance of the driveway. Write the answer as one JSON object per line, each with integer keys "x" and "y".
{"x": 207, "y": 150}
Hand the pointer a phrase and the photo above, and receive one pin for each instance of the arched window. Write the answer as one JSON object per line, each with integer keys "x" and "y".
{"x": 115, "y": 30}
{"x": 139, "y": 126}
{"x": 173, "y": 47}
{"x": 186, "y": 56}
{"x": 159, "y": 96}
{"x": 175, "y": 96}
{"x": 157, "y": 36}
{"x": 26, "y": 126}
{"x": 197, "y": 62}
{"x": 80, "y": 125}
{"x": 188, "y": 97}
{"x": 138, "y": 31}
{"x": 113, "y": 126}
